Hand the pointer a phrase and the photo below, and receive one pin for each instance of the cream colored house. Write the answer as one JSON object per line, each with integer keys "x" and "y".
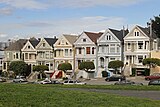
{"x": 138, "y": 44}
{"x": 64, "y": 51}
{"x": 29, "y": 52}
{"x": 45, "y": 52}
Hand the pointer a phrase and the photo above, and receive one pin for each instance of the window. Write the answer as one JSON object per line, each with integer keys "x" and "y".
{"x": 108, "y": 37}
{"x": 51, "y": 54}
{"x": 80, "y": 50}
{"x": 112, "y": 48}
{"x": 47, "y": 55}
{"x": 43, "y": 44}
{"x": 84, "y": 40}
{"x": 29, "y": 47}
{"x": 102, "y": 62}
{"x": 59, "y": 52}
{"x": 30, "y": 56}
{"x": 51, "y": 66}
{"x": 136, "y": 33}
{"x": 16, "y": 55}
{"x": 70, "y": 52}
{"x": 118, "y": 48}
{"x": 140, "y": 44}
{"x": 66, "y": 52}
{"x": 87, "y": 50}
{"x": 140, "y": 58}
{"x": 102, "y": 49}
{"x": 92, "y": 50}
{"x": 129, "y": 45}
{"x": 26, "y": 55}
{"x": 8, "y": 55}
{"x": 112, "y": 59}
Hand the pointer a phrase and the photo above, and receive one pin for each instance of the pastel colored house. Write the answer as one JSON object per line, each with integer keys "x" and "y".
{"x": 86, "y": 50}
{"x": 138, "y": 44}
{"x": 13, "y": 53}
{"x": 45, "y": 52}
{"x": 64, "y": 51}
{"x": 29, "y": 52}
{"x": 110, "y": 48}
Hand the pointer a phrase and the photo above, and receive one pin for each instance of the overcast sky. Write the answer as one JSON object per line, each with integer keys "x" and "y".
{"x": 48, "y": 18}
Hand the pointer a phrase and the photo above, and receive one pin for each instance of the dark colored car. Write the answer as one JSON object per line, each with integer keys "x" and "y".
{"x": 154, "y": 82}
{"x": 116, "y": 78}
{"x": 127, "y": 82}
{"x": 153, "y": 76}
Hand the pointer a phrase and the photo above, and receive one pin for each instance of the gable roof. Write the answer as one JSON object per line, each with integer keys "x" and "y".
{"x": 16, "y": 46}
{"x": 51, "y": 41}
{"x": 93, "y": 36}
{"x": 34, "y": 42}
{"x": 146, "y": 30}
{"x": 71, "y": 38}
{"x": 119, "y": 33}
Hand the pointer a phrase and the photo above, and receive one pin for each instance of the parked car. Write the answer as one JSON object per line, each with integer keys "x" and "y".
{"x": 153, "y": 76}
{"x": 116, "y": 77}
{"x": 127, "y": 82}
{"x": 45, "y": 82}
{"x": 154, "y": 82}
{"x": 56, "y": 82}
{"x": 2, "y": 79}
{"x": 20, "y": 79}
{"x": 72, "y": 82}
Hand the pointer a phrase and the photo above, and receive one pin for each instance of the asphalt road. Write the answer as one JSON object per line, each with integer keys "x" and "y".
{"x": 153, "y": 95}
{"x": 101, "y": 81}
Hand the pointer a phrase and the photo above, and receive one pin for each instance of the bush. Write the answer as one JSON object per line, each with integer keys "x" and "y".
{"x": 133, "y": 71}
{"x": 146, "y": 72}
{"x": 104, "y": 74}
{"x": 65, "y": 78}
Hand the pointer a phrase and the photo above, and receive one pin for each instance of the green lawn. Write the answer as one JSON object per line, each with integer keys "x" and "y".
{"x": 35, "y": 95}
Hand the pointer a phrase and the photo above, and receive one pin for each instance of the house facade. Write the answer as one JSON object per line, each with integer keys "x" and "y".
{"x": 86, "y": 50}
{"x": 64, "y": 51}
{"x": 110, "y": 48}
{"x": 45, "y": 52}
{"x": 137, "y": 46}
{"x": 13, "y": 53}
{"x": 29, "y": 52}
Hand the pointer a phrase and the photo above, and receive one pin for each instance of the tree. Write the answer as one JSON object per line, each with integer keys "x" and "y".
{"x": 18, "y": 67}
{"x": 64, "y": 67}
{"x": 156, "y": 25}
{"x": 40, "y": 69}
{"x": 151, "y": 62}
{"x": 115, "y": 65}
{"x": 87, "y": 66}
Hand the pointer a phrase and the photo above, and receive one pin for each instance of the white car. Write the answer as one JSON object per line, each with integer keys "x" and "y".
{"x": 72, "y": 82}
{"x": 20, "y": 79}
{"x": 45, "y": 82}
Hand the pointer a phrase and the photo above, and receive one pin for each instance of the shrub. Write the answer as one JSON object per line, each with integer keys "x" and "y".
{"x": 147, "y": 72}
{"x": 133, "y": 71}
{"x": 104, "y": 74}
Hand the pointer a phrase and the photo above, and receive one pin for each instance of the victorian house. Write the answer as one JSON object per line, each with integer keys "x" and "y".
{"x": 138, "y": 45}
{"x": 110, "y": 48}
{"x": 45, "y": 52}
{"x": 13, "y": 53}
{"x": 86, "y": 50}
{"x": 64, "y": 51}
{"x": 29, "y": 52}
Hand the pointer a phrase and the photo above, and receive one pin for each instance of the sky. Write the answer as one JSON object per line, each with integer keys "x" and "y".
{"x": 49, "y": 18}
